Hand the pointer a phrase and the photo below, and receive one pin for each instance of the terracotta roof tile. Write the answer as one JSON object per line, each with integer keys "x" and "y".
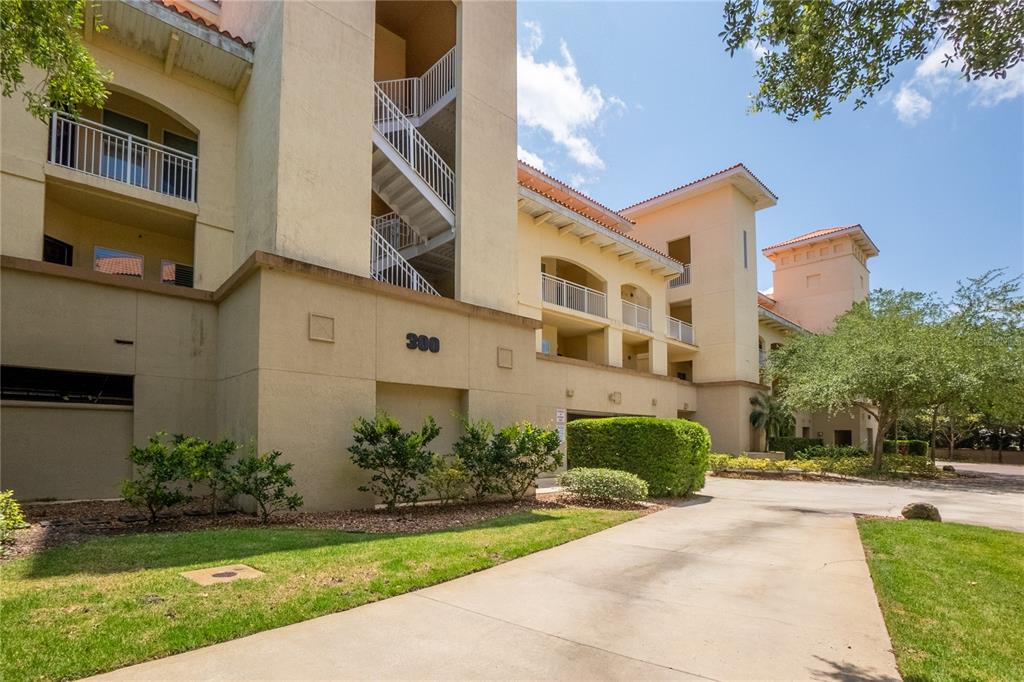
{"x": 706, "y": 177}
{"x": 120, "y": 265}
{"x": 810, "y": 235}
{"x": 183, "y": 11}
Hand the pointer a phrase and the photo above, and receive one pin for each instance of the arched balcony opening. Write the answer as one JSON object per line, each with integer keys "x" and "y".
{"x": 131, "y": 140}
{"x": 636, "y": 307}
{"x": 570, "y": 285}
{"x": 575, "y": 308}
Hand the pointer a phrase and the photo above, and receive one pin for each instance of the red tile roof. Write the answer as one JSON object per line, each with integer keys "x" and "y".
{"x": 580, "y": 203}
{"x": 856, "y": 231}
{"x": 120, "y": 265}
{"x": 184, "y": 11}
{"x": 706, "y": 177}
{"x": 810, "y": 235}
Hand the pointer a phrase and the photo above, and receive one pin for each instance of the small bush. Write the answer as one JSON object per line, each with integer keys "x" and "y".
{"x": 206, "y": 463}
{"x": 398, "y": 459}
{"x": 898, "y": 465}
{"x": 603, "y": 485}
{"x": 11, "y": 517}
{"x": 917, "y": 448}
{"x": 267, "y": 482}
{"x": 448, "y": 478}
{"x": 831, "y": 452}
{"x": 520, "y": 453}
{"x": 671, "y": 455}
{"x": 474, "y": 451}
{"x": 792, "y": 444}
{"x": 157, "y": 468}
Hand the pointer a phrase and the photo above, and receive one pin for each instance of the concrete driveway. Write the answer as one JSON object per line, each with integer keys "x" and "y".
{"x": 727, "y": 587}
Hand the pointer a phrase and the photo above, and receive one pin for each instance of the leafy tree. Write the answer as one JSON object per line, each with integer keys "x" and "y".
{"x": 769, "y": 414}
{"x": 206, "y": 462}
{"x": 398, "y": 459}
{"x": 158, "y": 469}
{"x": 267, "y": 482}
{"x": 47, "y": 35}
{"x": 815, "y": 52}
{"x": 874, "y": 359}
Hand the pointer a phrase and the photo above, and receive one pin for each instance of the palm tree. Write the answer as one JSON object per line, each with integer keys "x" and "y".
{"x": 768, "y": 414}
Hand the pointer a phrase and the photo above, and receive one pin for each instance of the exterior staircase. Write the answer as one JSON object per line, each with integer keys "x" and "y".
{"x": 411, "y": 175}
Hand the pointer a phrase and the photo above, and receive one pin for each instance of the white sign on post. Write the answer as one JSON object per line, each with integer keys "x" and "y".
{"x": 560, "y": 420}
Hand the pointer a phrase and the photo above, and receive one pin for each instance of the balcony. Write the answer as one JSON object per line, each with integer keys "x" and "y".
{"x": 636, "y": 315}
{"x": 679, "y": 330}
{"x": 98, "y": 150}
{"x": 682, "y": 279}
{"x": 574, "y": 296}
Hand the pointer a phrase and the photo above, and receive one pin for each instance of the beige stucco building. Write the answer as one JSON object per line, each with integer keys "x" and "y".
{"x": 289, "y": 215}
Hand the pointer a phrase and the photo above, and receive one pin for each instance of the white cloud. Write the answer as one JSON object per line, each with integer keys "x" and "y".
{"x": 933, "y": 78}
{"x": 553, "y": 98}
{"x": 756, "y": 49}
{"x": 530, "y": 158}
{"x": 911, "y": 106}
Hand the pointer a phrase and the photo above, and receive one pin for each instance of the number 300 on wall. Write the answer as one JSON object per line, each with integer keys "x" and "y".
{"x": 422, "y": 342}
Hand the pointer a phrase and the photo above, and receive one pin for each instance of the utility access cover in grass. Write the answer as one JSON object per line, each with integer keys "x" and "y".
{"x": 222, "y": 574}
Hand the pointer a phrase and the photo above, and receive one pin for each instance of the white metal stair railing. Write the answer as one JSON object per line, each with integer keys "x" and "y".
{"x": 681, "y": 279}
{"x": 416, "y": 95}
{"x": 387, "y": 265}
{"x": 571, "y": 295}
{"x": 679, "y": 330}
{"x": 636, "y": 315}
{"x": 396, "y": 231}
{"x": 401, "y": 134}
{"x": 95, "y": 149}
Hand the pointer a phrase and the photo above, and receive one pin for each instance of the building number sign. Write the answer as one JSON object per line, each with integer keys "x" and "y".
{"x": 414, "y": 341}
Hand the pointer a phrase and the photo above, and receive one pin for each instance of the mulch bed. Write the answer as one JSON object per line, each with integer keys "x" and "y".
{"x": 58, "y": 523}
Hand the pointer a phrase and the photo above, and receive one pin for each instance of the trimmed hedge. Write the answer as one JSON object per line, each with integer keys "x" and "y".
{"x": 917, "y": 448}
{"x": 831, "y": 451}
{"x": 792, "y": 444}
{"x": 670, "y": 454}
{"x": 892, "y": 465}
{"x": 603, "y": 485}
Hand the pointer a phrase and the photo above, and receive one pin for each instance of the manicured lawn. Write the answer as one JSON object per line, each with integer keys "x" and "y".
{"x": 952, "y": 596}
{"x": 106, "y": 603}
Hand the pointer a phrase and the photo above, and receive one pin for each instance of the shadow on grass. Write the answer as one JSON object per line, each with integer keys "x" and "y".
{"x": 145, "y": 551}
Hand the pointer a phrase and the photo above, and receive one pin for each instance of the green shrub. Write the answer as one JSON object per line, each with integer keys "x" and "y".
{"x": 917, "y": 448}
{"x": 448, "y": 478}
{"x": 603, "y": 485}
{"x": 671, "y": 455}
{"x": 910, "y": 465}
{"x": 206, "y": 463}
{"x": 719, "y": 461}
{"x": 398, "y": 459}
{"x": 520, "y": 453}
{"x": 473, "y": 449}
{"x": 11, "y": 517}
{"x": 792, "y": 444}
{"x": 831, "y": 452}
{"x": 157, "y": 467}
{"x": 857, "y": 465}
{"x": 267, "y": 482}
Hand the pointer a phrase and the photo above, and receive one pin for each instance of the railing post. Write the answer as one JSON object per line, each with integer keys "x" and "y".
{"x": 128, "y": 163}
{"x": 192, "y": 178}
{"x": 53, "y": 137}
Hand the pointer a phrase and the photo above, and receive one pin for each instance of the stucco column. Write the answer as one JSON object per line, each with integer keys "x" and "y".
{"x": 613, "y": 346}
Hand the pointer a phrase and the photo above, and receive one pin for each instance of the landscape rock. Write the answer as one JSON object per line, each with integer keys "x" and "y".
{"x": 921, "y": 510}
{"x": 948, "y": 467}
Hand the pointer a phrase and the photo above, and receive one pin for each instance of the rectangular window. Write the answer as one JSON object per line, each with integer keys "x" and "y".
{"x": 843, "y": 437}
{"x": 175, "y": 273}
{"x": 122, "y": 159}
{"x": 59, "y": 386}
{"x": 114, "y": 262}
{"x": 745, "y": 249}
{"x": 56, "y": 251}
{"x": 176, "y": 172}
{"x": 805, "y": 432}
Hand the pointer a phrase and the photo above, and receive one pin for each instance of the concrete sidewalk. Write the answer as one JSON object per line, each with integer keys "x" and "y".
{"x": 723, "y": 588}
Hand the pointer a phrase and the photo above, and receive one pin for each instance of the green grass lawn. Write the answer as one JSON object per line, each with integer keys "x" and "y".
{"x": 952, "y": 596}
{"x": 106, "y": 603}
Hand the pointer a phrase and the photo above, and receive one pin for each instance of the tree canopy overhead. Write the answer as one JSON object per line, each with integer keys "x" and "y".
{"x": 812, "y": 53}
{"x": 47, "y": 35}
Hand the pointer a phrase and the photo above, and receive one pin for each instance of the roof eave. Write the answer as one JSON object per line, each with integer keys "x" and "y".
{"x": 738, "y": 176}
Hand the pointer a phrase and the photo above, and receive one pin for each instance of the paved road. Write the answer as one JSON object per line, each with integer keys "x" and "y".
{"x": 731, "y": 586}
{"x": 989, "y": 468}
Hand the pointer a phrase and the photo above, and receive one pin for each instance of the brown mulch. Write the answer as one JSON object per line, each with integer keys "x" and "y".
{"x": 59, "y": 523}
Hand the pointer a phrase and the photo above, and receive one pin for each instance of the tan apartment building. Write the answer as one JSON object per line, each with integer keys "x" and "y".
{"x": 292, "y": 214}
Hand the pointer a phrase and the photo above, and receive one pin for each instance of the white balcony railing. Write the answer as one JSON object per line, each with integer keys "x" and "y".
{"x": 636, "y": 315}
{"x": 571, "y": 295}
{"x": 95, "y": 149}
{"x": 413, "y": 96}
{"x": 395, "y": 127}
{"x": 679, "y": 330}
{"x": 387, "y": 265}
{"x": 681, "y": 279}
{"x": 396, "y": 231}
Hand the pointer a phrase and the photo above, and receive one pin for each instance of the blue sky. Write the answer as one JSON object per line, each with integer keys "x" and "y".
{"x": 625, "y": 100}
